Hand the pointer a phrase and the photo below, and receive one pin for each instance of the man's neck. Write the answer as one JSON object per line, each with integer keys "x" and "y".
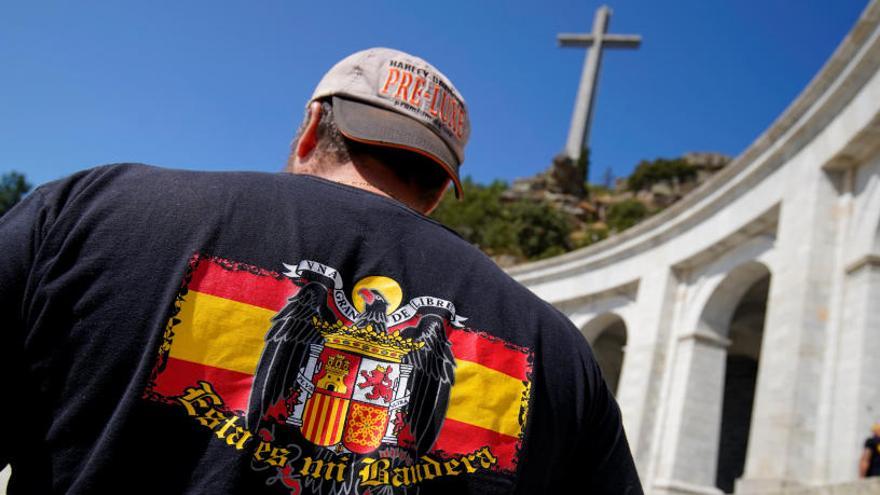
{"x": 366, "y": 175}
{"x": 355, "y": 180}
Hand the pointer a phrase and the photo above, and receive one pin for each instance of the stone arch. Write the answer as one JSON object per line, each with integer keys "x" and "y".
{"x": 718, "y": 310}
{"x": 607, "y": 336}
{"x": 729, "y": 274}
{"x": 697, "y": 429}
{"x": 745, "y": 332}
{"x": 735, "y": 313}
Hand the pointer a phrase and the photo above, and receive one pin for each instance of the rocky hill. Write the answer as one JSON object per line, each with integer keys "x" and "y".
{"x": 555, "y": 211}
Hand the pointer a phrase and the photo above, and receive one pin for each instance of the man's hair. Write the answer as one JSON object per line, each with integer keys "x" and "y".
{"x": 411, "y": 168}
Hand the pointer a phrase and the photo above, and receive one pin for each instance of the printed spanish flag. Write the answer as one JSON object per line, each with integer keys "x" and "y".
{"x": 219, "y": 329}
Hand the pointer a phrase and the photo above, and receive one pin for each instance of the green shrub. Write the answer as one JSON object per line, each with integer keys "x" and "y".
{"x": 625, "y": 214}
{"x": 648, "y": 173}
{"x": 591, "y": 235}
{"x": 524, "y": 229}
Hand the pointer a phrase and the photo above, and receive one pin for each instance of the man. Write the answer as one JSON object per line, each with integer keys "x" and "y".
{"x": 869, "y": 465}
{"x": 313, "y": 332}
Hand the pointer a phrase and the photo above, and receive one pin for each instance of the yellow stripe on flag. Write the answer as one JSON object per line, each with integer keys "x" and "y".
{"x": 486, "y": 398}
{"x": 220, "y": 332}
{"x": 228, "y": 334}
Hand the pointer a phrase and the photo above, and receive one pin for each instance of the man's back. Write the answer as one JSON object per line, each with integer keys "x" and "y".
{"x": 221, "y": 332}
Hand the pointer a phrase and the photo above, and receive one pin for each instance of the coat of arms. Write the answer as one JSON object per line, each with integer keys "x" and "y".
{"x": 354, "y": 376}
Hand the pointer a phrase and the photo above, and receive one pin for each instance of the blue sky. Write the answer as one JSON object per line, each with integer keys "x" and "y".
{"x": 221, "y": 85}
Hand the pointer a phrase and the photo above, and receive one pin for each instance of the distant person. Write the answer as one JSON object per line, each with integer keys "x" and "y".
{"x": 869, "y": 466}
{"x": 310, "y": 332}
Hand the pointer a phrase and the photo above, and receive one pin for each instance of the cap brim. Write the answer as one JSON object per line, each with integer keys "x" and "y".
{"x": 375, "y": 125}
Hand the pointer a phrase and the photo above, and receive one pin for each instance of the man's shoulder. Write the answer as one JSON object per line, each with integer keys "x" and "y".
{"x": 516, "y": 307}
{"x": 100, "y": 178}
{"x": 146, "y": 175}
{"x": 127, "y": 182}
{"x": 136, "y": 185}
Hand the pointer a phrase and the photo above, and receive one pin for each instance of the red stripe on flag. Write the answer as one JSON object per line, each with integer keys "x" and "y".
{"x": 233, "y": 387}
{"x": 461, "y": 438}
{"x": 471, "y": 346}
{"x": 240, "y": 285}
{"x": 271, "y": 293}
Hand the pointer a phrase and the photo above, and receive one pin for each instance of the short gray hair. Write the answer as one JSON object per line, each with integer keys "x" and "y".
{"x": 330, "y": 139}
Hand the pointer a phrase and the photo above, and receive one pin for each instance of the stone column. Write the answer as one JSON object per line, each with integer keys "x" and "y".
{"x": 643, "y": 362}
{"x": 784, "y": 420}
{"x": 855, "y": 401}
{"x": 688, "y": 459}
{"x": 851, "y": 401}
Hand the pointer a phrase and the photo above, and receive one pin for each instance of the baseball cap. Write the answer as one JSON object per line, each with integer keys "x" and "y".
{"x": 386, "y": 97}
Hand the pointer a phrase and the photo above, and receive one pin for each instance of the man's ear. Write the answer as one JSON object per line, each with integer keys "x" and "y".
{"x": 309, "y": 138}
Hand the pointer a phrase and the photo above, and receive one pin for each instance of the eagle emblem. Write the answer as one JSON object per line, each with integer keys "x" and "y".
{"x": 352, "y": 376}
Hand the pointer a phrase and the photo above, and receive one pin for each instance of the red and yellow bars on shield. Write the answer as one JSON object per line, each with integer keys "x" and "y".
{"x": 322, "y": 423}
{"x": 224, "y": 317}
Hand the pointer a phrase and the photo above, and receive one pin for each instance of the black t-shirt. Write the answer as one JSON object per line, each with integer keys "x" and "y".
{"x": 873, "y": 444}
{"x": 187, "y": 332}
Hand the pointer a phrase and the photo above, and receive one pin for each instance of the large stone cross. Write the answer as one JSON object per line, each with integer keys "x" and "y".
{"x": 595, "y": 42}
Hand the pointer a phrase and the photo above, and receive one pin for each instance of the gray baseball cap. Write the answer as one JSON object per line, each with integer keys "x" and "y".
{"x": 386, "y": 97}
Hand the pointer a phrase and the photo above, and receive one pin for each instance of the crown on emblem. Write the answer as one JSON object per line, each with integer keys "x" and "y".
{"x": 366, "y": 341}
{"x": 338, "y": 365}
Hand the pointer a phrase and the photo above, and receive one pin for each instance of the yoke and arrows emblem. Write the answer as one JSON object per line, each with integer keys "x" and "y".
{"x": 352, "y": 377}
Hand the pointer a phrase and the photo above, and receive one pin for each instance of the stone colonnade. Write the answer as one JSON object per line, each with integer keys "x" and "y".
{"x": 767, "y": 278}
